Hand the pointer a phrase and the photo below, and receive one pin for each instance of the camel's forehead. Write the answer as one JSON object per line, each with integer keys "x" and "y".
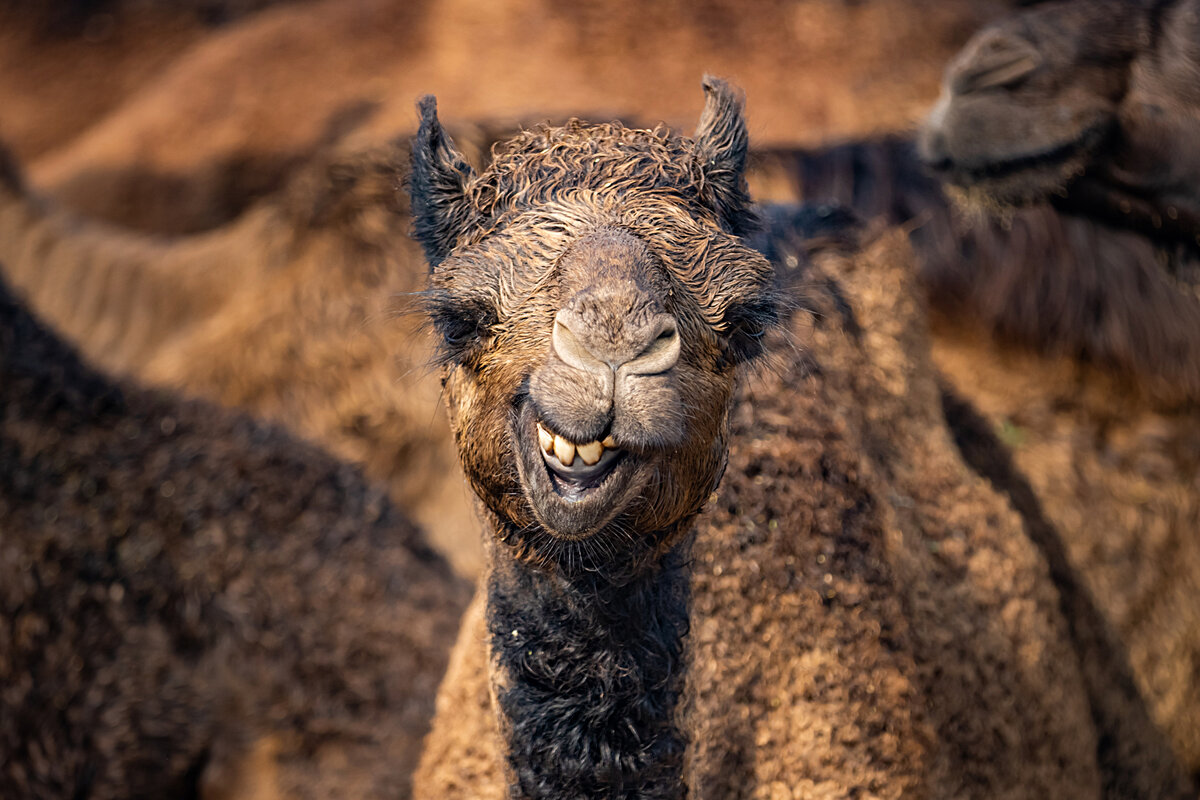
{"x": 590, "y": 155}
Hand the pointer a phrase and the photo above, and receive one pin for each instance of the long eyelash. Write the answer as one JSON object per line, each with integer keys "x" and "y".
{"x": 459, "y": 326}
{"x": 747, "y": 327}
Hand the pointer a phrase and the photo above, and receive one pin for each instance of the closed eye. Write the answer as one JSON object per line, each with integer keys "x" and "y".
{"x": 998, "y": 64}
{"x": 460, "y": 326}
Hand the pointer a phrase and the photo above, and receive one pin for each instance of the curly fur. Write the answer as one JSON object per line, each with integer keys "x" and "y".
{"x": 178, "y": 583}
{"x": 592, "y": 680}
{"x": 1080, "y": 346}
{"x": 867, "y": 615}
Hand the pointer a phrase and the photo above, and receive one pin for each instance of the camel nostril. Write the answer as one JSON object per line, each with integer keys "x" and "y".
{"x": 571, "y": 349}
{"x": 643, "y": 347}
{"x": 660, "y": 354}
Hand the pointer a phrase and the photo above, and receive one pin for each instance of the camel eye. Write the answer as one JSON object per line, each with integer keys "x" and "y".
{"x": 999, "y": 64}
{"x": 746, "y": 328}
{"x": 460, "y": 326}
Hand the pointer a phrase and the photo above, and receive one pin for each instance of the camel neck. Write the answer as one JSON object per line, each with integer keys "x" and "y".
{"x": 590, "y": 674}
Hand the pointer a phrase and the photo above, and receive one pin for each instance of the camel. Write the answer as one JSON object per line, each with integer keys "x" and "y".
{"x": 858, "y": 613}
{"x": 1080, "y": 345}
{"x": 198, "y": 605}
{"x": 226, "y": 121}
{"x": 294, "y": 312}
{"x": 1090, "y": 104}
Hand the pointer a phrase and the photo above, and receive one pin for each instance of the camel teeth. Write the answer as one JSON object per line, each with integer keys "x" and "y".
{"x": 610, "y": 442}
{"x": 590, "y": 452}
{"x": 545, "y": 439}
{"x": 564, "y": 451}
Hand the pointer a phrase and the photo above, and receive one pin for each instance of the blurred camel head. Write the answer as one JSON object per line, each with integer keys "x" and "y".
{"x": 1092, "y": 103}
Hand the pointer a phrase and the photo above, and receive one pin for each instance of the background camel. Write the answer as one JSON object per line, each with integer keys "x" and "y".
{"x": 1081, "y": 346}
{"x": 197, "y": 603}
{"x": 1092, "y": 104}
{"x": 296, "y": 312}
{"x": 226, "y": 119}
{"x": 867, "y": 615}
{"x": 1112, "y": 451}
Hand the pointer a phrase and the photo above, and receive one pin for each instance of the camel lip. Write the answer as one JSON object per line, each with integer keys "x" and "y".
{"x": 1047, "y": 158}
{"x": 575, "y": 481}
{"x": 572, "y": 503}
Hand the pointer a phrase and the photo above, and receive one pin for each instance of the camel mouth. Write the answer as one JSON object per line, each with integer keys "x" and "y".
{"x": 575, "y": 488}
{"x": 576, "y": 470}
{"x": 1027, "y": 176}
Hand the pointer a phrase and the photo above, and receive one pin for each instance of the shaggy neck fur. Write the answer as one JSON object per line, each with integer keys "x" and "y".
{"x": 588, "y": 676}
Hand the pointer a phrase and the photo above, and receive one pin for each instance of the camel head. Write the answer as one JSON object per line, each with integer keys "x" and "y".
{"x": 594, "y": 301}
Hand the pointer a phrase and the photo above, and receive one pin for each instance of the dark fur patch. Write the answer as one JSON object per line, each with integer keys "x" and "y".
{"x": 174, "y": 577}
{"x": 437, "y": 184}
{"x": 590, "y": 677}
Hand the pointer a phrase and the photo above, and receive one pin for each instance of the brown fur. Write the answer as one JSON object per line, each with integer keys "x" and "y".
{"x": 196, "y": 602}
{"x": 230, "y": 117}
{"x": 294, "y": 312}
{"x": 1081, "y": 347}
{"x": 867, "y": 615}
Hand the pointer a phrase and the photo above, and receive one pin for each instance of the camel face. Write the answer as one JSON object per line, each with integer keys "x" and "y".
{"x": 1030, "y": 100}
{"x": 594, "y": 301}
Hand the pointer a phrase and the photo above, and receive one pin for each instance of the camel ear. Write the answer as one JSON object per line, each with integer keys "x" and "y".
{"x": 721, "y": 144}
{"x": 440, "y": 175}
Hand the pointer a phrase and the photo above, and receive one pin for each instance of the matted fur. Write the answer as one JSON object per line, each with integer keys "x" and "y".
{"x": 867, "y": 615}
{"x": 1081, "y": 347}
{"x": 587, "y": 599}
{"x": 179, "y": 583}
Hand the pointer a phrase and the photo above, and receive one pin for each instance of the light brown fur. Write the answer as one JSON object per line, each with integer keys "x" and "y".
{"x": 300, "y": 311}
{"x": 231, "y": 116}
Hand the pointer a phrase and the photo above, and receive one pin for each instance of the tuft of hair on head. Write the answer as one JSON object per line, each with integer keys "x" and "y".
{"x": 722, "y": 142}
{"x": 438, "y": 185}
